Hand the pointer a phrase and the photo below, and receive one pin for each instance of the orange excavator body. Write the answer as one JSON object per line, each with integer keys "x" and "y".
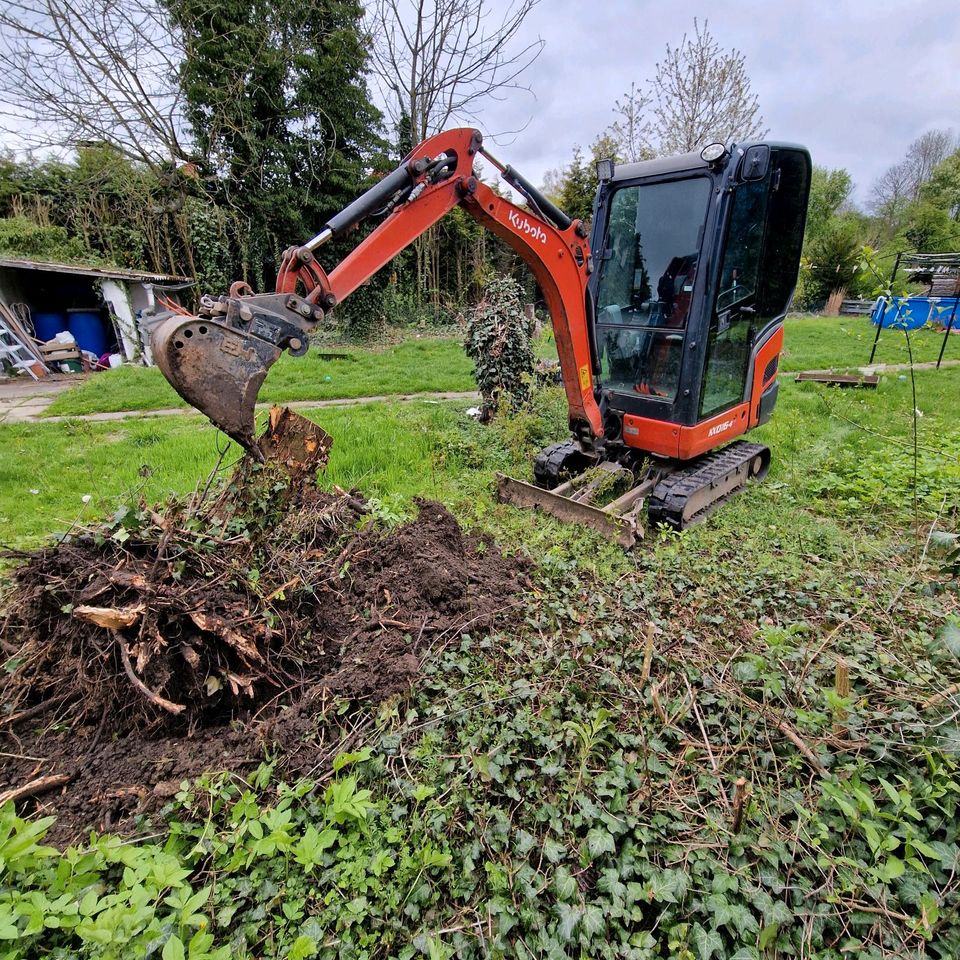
{"x": 668, "y": 328}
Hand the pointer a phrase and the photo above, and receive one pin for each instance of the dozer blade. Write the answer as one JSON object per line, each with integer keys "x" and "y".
{"x": 215, "y": 368}
{"x": 618, "y": 521}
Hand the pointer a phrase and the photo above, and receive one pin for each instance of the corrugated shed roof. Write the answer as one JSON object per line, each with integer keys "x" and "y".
{"x": 109, "y": 273}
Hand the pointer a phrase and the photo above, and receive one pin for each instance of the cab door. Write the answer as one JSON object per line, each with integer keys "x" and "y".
{"x": 757, "y": 271}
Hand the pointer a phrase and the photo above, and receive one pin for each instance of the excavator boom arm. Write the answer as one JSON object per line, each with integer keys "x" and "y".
{"x": 218, "y": 360}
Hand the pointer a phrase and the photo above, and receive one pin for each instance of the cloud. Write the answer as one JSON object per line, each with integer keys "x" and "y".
{"x": 854, "y": 81}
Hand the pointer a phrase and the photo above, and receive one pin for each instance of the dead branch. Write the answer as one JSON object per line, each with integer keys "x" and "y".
{"x": 741, "y": 790}
{"x": 35, "y": 787}
{"x": 801, "y": 745}
{"x": 30, "y": 713}
{"x": 174, "y": 708}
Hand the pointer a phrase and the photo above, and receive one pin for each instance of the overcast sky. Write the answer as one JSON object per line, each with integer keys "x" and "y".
{"x": 853, "y": 80}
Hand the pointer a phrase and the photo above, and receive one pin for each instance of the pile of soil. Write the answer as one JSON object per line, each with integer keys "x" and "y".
{"x": 197, "y": 637}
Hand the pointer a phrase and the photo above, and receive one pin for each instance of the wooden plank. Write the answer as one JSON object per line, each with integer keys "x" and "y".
{"x": 839, "y": 379}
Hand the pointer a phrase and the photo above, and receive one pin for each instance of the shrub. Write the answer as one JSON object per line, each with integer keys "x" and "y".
{"x": 500, "y": 344}
{"x": 20, "y": 237}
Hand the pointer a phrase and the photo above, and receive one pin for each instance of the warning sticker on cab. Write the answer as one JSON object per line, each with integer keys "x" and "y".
{"x": 585, "y": 377}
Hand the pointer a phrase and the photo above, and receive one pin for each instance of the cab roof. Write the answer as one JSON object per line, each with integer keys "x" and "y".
{"x": 658, "y": 166}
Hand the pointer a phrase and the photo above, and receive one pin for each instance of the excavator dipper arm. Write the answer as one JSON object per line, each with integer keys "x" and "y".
{"x": 218, "y": 359}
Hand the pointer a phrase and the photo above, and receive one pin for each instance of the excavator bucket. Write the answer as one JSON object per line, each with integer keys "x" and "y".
{"x": 216, "y": 368}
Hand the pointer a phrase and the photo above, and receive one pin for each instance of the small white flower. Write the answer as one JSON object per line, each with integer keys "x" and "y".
{"x": 34, "y": 492}
{"x": 86, "y": 498}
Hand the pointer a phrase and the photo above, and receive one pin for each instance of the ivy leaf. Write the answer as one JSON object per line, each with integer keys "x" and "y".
{"x": 892, "y": 868}
{"x": 768, "y": 935}
{"x": 949, "y": 636}
{"x": 553, "y": 850}
{"x": 303, "y": 948}
{"x": 744, "y": 920}
{"x": 717, "y": 905}
{"x": 342, "y": 760}
{"x": 569, "y": 915}
{"x": 592, "y": 921}
{"x": 564, "y": 884}
{"x": 668, "y": 886}
{"x": 777, "y": 913}
{"x": 706, "y": 942}
{"x": 599, "y": 841}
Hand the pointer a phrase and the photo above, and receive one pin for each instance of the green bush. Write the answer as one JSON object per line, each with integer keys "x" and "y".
{"x": 20, "y": 237}
{"x": 500, "y": 344}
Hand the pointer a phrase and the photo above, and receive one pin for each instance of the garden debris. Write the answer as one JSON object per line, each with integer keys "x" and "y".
{"x": 153, "y": 633}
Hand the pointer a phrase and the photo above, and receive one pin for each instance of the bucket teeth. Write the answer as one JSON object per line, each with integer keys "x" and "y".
{"x": 215, "y": 368}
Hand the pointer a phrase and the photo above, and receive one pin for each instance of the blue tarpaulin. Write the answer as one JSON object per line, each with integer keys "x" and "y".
{"x": 911, "y": 313}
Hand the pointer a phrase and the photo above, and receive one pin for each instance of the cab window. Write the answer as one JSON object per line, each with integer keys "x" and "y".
{"x": 757, "y": 274}
{"x": 647, "y": 275}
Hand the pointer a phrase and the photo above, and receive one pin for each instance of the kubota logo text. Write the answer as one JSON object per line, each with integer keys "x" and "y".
{"x": 720, "y": 427}
{"x": 523, "y": 225}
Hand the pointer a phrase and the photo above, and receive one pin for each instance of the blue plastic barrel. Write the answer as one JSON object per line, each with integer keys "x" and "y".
{"x": 48, "y": 325}
{"x": 87, "y": 329}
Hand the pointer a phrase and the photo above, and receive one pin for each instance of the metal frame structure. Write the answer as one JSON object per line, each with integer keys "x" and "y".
{"x": 939, "y": 264}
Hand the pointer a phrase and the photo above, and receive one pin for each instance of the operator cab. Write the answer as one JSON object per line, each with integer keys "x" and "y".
{"x": 695, "y": 268}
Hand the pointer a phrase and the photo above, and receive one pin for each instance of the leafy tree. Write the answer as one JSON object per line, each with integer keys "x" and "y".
{"x": 20, "y": 237}
{"x": 942, "y": 190}
{"x": 579, "y": 183}
{"x": 277, "y": 101}
{"x": 830, "y": 192}
{"x": 929, "y": 228}
{"x": 578, "y": 187}
{"x": 903, "y": 183}
{"x": 118, "y": 210}
{"x": 833, "y": 256}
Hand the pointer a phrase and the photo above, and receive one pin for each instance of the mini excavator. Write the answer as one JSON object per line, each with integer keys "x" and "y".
{"x": 668, "y": 319}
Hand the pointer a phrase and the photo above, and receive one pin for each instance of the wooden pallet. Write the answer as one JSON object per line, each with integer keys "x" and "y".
{"x": 840, "y": 379}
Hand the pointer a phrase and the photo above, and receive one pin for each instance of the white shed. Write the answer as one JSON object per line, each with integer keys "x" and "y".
{"x": 125, "y": 299}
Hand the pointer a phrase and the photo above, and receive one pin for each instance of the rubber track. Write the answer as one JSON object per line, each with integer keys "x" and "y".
{"x": 550, "y": 462}
{"x": 670, "y": 496}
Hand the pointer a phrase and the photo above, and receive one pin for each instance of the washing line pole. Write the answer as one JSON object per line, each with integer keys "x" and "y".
{"x": 946, "y": 334}
{"x": 896, "y": 266}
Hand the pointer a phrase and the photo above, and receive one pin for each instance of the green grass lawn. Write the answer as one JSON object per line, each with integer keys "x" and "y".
{"x": 413, "y": 366}
{"x": 440, "y": 365}
{"x": 431, "y": 448}
{"x": 818, "y": 343}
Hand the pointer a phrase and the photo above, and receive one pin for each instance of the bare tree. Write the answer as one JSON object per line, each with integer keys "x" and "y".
{"x": 891, "y": 194}
{"x": 925, "y": 153}
{"x": 437, "y": 60}
{"x": 631, "y": 131}
{"x": 702, "y": 93}
{"x": 75, "y": 71}
{"x": 552, "y": 183}
{"x": 901, "y": 184}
